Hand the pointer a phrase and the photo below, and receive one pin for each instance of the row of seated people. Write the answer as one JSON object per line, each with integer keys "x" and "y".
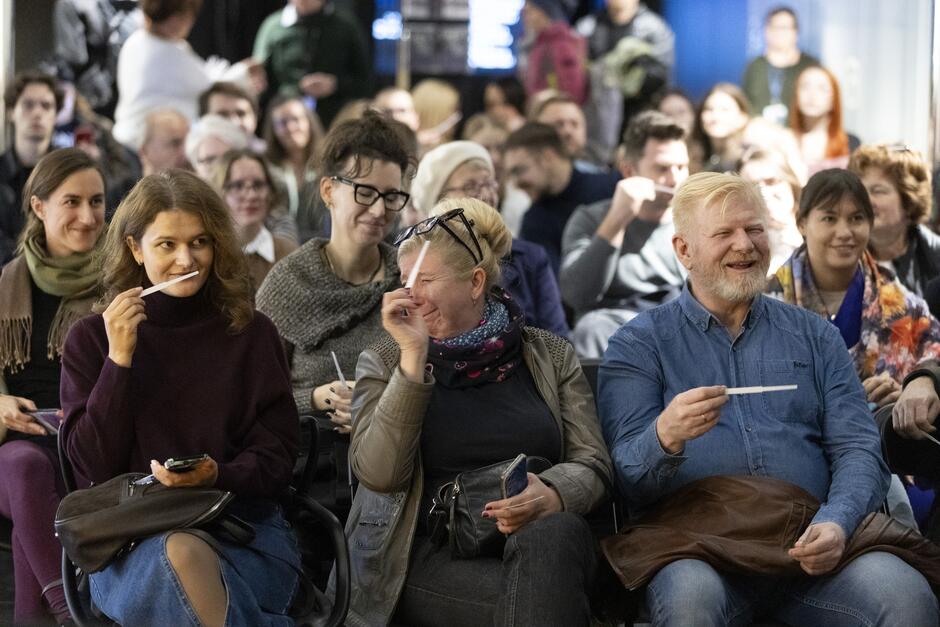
{"x": 448, "y": 378}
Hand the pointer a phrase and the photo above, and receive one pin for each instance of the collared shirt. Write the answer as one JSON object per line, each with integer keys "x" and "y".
{"x": 820, "y": 437}
{"x": 262, "y": 245}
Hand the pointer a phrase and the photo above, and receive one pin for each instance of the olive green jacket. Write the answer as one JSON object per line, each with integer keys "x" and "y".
{"x": 388, "y": 412}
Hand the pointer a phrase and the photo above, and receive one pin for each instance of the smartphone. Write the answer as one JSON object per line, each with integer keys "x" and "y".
{"x": 48, "y": 419}
{"x": 515, "y": 478}
{"x": 184, "y": 464}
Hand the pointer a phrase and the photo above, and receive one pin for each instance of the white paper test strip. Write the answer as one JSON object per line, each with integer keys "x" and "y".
{"x": 339, "y": 371}
{"x": 665, "y": 189}
{"x": 760, "y": 389}
{"x": 538, "y": 498}
{"x": 414, "y": 271}
{"x": 166, "y": 284}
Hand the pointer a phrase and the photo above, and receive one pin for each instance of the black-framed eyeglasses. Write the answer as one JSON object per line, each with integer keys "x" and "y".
{"x": 427, "y": 225}
{"x": 367, "y": 195}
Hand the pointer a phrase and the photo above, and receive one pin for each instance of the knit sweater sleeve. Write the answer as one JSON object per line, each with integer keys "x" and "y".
{"x": 96, "y": 400}
{"x": 267, "y": 451}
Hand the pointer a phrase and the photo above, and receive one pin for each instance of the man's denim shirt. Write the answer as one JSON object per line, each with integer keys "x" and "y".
{"x": 821, "y": 436}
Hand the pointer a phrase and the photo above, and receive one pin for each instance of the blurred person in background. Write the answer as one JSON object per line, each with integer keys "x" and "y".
{"x": 557, "y": 56}
{"x": 438, "y": 105}
{"x": 504, "y": 100}
{"x": 898, "y": 183}
{"x": 769, "y": 80}
{"x": 563, "y": 114}
{"x": 781, "y": 189}
{"x": 311, "y": 48}
{"x": 157, "y": 69}
{"x": 676, "y": 104}
{"x": 399, "y": 105}
{"x": 244, "y": 181}
{"x": 163, "y": 141}
{"x": 816, "y": 121}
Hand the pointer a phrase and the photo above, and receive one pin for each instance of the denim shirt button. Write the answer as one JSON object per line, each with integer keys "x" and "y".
{"x": 748, "y": 429}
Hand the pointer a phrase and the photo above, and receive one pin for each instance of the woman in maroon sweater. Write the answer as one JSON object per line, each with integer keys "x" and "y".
{"x": 192, "y": 369}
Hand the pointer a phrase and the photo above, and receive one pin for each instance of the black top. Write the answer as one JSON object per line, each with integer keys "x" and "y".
{"x": 472, "y": 427}
{"x": 13, "y": 178}
{"x": 921, "y": 262}
{"x": 39, "y": 380}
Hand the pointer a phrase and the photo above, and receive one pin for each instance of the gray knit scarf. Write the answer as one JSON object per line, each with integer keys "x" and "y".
{"x": 309, "y": 304}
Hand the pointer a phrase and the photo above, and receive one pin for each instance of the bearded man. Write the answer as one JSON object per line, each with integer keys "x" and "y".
{"x": 669, "y": 420}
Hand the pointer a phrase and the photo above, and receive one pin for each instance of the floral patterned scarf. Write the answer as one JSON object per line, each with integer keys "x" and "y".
{"x": 897, "y": 330}
{"x": 490, "y": 352}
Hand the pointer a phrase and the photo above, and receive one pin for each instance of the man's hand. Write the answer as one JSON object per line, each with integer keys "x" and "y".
{"x": 916, "y": 409}
{"x": 689, "y": 415}
{"x": 820, "y": 548}
{"x": 630, "y": 196}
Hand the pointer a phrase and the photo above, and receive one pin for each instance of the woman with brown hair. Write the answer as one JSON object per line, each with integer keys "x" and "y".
{"x": 49, "y": 285}
{"x": 245, "y": 183}
{"x": 898, "y": 184}
{"x": 190, "y": 369}
{"x": 292, "y": 133}
{"x": 816, "y": 121}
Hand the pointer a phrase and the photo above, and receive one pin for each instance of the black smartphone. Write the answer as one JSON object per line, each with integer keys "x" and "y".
{"x": 515, "y": 478}
{"x": 184, "y": 464}
{"x": 48, "y": 419}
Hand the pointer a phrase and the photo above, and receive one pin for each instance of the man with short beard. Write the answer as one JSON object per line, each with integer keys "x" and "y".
{"x": 669, "y": 420}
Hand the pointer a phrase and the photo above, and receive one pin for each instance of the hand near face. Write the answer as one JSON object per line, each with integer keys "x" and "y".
{"x": 916, "y": 410}
{"x": 630, "y": 196}
{"x": 204, "y": 474}
{"x": 881, "y": 389}
{"x": 409, "y": 331}
{"x": 689, "y": 415}
{"x": 318, "y": 84}
{"x": 820, "y": 548}
{"x": 536, "y": 501}
{"x": 121, "y": 320}
{"x": 13, "y": 415}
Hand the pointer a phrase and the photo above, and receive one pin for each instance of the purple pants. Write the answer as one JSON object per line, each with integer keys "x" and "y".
{"x": 30, "y": 491}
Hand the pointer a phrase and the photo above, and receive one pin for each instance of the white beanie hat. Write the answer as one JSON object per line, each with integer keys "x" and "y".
{"x": 437, "y": 166}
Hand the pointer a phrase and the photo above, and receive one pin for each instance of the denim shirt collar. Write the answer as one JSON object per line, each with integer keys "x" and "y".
{"x": 702, "y": 318}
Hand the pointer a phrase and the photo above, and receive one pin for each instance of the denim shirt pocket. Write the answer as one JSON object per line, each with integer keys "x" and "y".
{"x": 376, "y": 519}
{"x": 799, "y": 405}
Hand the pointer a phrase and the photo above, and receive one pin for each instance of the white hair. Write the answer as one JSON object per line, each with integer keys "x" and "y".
{"x": 212, "y": 125}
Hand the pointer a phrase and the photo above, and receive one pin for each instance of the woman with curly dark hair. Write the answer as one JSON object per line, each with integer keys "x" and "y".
{"x": 186, "y": 370}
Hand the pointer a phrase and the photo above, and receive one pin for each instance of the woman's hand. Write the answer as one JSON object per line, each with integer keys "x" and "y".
{"x": 881, "y": 389}
{"x": 203, "y": 474}
{"x": 336, "y": 400}
{"x": 401, "y": 319}
{"x": 536, "y": 501}
{"x": 121, "y": 319}
{"x": 13, "y": 415}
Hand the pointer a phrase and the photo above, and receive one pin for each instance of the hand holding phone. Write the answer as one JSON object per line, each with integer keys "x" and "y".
{"x": 184, "y": 464}
{"x": 515, "y": 478}
{"x": 49, "y": 419}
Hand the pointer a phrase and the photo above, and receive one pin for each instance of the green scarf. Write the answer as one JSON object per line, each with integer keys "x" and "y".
{"x": 74, "y": 278}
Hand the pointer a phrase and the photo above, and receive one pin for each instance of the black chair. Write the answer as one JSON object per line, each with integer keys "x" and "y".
{"x": 311, "y": 606}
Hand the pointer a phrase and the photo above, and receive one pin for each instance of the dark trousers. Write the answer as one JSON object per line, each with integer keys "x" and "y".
{"x": 29, "y": 495}
{"x": 542, "y": 579}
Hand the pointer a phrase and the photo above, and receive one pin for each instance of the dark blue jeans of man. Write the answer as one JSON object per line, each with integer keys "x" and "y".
{"x": 542, "y": 579}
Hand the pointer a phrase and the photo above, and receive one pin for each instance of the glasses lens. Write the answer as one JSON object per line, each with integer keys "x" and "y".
{"x": 395, "y": 201}
{"x": 366, "y": 195}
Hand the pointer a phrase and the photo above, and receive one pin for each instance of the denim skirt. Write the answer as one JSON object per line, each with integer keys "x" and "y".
{"x": 141, "y": 588}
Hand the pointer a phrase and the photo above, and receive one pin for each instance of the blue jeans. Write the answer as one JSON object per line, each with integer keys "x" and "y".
{"x": 541, "y": 579}
{"x": 874, "y": 589}
{"x": 142, "y": 589}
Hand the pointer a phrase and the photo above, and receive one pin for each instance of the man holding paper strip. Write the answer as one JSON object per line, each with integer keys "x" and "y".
{"x": 668, "y": 421}
{"x": 617, "y": 258}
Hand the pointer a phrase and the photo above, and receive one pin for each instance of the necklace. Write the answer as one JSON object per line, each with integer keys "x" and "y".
{"x": 366, "y": 282}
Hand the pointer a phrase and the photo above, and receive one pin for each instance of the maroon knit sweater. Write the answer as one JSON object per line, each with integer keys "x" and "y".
{"x": 193, "y": 387}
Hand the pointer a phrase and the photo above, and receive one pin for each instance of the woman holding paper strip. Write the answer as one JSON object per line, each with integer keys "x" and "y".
{"x": 327, "y": 295}
{"x": 888, "y": 329}
{"x": 462, "y": 384}
{"x": 189, "y": 369}
{"x": 51, "y": 283}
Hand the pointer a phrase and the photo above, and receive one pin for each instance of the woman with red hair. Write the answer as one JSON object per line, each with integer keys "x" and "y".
{"x": 816, "y": 121}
